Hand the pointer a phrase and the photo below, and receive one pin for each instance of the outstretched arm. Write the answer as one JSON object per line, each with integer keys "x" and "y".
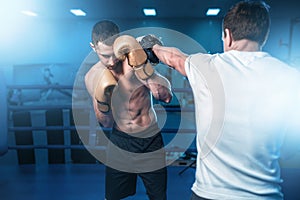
{"x": 171, "y": 56}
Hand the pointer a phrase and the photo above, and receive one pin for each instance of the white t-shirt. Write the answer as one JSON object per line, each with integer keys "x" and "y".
{"x": 246, "y": 102}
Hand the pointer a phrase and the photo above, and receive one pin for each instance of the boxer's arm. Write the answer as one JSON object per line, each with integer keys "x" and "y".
{"x": 172, "y": 57}
{"x": 159, "y": 86}
{"x": 127, "y": 48}
{"x": 92, "y": 84}
{"x": 88, "y": 77}
{"x": 105, "y": 119}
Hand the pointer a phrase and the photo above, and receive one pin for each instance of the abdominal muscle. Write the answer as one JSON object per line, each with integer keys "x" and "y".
{"x": 136, "y": 125}
{"x": 133, "y": 112}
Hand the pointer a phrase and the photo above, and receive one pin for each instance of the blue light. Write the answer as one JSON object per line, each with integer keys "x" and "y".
{"x": 149, "y": 11}
{"x": 29, "y": 13}
{"x": 78, "y": 12}
{"x": 213, "y": 11}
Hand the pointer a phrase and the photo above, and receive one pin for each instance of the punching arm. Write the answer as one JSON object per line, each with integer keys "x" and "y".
{"x": 172, "y": 57}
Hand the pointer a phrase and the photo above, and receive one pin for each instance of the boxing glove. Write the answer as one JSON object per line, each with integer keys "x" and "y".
{"x": 104, "y": 83}
{"x": 147, "y": 42}
{"x": 127, "y": 46}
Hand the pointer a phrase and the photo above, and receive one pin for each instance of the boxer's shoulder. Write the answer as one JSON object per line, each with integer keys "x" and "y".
{"x": 98, "y": 65}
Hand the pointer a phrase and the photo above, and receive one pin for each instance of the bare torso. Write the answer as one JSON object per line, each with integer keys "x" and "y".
{"x": 132, "y": 105}
{"x": 131, "y": 100}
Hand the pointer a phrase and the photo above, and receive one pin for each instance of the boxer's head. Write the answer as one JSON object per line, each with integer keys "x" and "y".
{"x": 104, "y": 34}
{"x": 248, "y": 20}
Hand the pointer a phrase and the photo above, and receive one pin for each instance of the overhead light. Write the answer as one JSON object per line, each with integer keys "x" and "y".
{"x": 78, "y": 12}
{"x": 213, "y": 11}
{"x": 29, "y": 13}
{"x": 149, "y": 12}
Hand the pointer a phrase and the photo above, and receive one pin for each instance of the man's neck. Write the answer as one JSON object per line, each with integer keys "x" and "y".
{"x": 245, "y": 45}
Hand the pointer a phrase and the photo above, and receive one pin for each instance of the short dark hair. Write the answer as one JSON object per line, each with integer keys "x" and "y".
{"x": 105, "y": 31}
{"x": 248, "y": 20}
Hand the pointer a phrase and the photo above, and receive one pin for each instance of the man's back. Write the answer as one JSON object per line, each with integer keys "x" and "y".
{"x": 258, "y": 92}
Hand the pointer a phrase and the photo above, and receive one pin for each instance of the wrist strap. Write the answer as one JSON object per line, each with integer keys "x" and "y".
{"x": 144, "y": 71}
{"x": 103, "y": 107}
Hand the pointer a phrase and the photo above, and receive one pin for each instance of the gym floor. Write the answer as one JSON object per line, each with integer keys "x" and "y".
{"x": 86, "y": 181}
{"x": 45, "y": 174}
{"x": 77, "y": 181}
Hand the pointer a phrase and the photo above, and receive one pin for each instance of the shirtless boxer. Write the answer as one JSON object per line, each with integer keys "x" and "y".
{"x": 122, "y": 84}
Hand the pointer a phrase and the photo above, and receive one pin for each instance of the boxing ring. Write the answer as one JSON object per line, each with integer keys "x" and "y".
{"x": 44, "y": 132}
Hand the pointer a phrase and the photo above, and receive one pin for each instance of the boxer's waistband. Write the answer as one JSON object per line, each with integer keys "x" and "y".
{"x": 149, "y": 132}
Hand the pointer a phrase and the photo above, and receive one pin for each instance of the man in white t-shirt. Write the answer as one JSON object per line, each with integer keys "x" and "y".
{"x": 247, "y": 105}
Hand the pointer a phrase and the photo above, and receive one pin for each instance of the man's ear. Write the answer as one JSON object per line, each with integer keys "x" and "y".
{"x": 227, "y": 38}
{"x": 92, "y": 46}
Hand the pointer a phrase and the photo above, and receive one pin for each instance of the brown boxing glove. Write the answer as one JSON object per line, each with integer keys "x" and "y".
{"x": 127, "y": 46}
{"x": 104, "y": 83}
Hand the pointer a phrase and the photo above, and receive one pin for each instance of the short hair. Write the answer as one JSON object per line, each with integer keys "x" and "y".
{"x": 248, "y": 20}
{"x": 105, "y": 31}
